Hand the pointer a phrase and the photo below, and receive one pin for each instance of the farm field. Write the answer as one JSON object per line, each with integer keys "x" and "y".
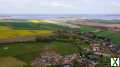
{"x": 23, "y": 53}
{"x": 5, "y": 62}
{"x": 28, "y": 51}
{"x": 115, "y": 36}
{"x": 9, "y": 33}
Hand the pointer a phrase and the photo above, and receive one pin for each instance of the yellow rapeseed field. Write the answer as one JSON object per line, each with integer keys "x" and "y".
{"x": 7, "y": 33}
{"x": 38, "y": 21}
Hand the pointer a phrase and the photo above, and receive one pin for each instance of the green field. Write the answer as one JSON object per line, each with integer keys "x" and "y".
{"x": 106, "y": 21}
{"x": 114, "y": 36}
{"x": 28, "y": 51}
{"x": 32, "y": 26}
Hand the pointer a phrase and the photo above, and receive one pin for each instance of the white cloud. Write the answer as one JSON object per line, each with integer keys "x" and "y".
{"x": 63, "y": 5}
{"x": 57, "y": 6}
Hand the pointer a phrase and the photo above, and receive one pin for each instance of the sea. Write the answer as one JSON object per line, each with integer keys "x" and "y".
{"x": 105, "y": 17}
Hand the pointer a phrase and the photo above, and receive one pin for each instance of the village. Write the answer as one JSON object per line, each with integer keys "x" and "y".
{"x": 99, "y": 51}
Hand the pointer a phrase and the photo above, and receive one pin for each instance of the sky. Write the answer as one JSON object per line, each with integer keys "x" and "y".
{"x": 59, "y": 6}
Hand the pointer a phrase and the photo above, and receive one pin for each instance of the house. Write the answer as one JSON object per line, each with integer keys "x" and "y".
{"x": 95, "y": 47}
